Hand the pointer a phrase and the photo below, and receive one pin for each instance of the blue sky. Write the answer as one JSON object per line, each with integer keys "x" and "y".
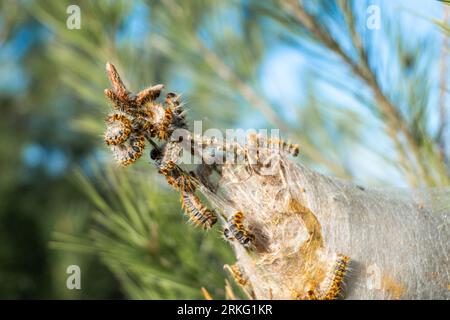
{"x": 283, "y": 74}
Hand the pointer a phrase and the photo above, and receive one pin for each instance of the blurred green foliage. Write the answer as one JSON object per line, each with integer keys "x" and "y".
{"x": 62, "y": 200}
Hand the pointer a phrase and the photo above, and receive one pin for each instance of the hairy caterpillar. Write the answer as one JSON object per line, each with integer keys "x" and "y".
{"x": 257, "y": 142}
{"x": 118, "y": 129}
{"x": 119, "y": 104}
{"x": 172, "y": 99}
{"x": 149, "y": 94}
{"x": 182, "y": 182}
{"x": 334, "y": 281}
{"x": 278, "y": 144}
{"x": 164, "y": 127}
{"x": 196, "y": 211}
{"x": 178, "y": 114}
{"x": 237, "y": 274}
{"x": 168, "y": 157}
{"x": 130, "y": 151}
{"x": 168, "y": 167}
{"x": 236, "y": 230}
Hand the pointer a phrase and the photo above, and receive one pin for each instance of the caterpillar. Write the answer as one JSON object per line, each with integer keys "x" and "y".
{"x": 165, "y": 124}
{"x": 118, "y": 129}
{"x": 196, "y": 211}
{"x": 178, "y": 114}
{"x": 119, "y": 104}
{"x": 237, "y": 274}
{"x": 149, "y": 94}
{"x": 278, "y": 144}
{"x": 257, "y": 142}
{"x": 335, "y": 281}
{"x": 167, "y": 168}
{"x": 182, "y": 182}
{"x": 130, "y": 151}
{"x": 236, "y": 230}
{"x": 172, "y": 99}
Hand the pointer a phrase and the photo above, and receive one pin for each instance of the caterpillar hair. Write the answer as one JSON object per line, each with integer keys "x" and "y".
{"x": 170, "y": 156}
{"x": 119, "y": 104}
{"x": 181, "y": 182}
{"x": 168, "y": 167}
{"x": 149, "y": 94}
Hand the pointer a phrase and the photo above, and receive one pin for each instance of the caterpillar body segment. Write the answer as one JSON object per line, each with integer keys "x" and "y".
{"x": 167, "y": 168}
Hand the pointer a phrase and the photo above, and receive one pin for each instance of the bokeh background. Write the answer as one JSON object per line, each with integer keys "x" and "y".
{"x": 365, "y": 104}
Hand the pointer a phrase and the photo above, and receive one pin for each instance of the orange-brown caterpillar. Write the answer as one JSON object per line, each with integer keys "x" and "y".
{"x": 164, "y": 127}
{"x": 196, "y": 211}
{"x": 121, "y": 104}
{"x": 130, "y": 151}
{"x": 181, "y": 182}
{"x": 148, "y": 94}
{"x": 137, "y": 118}
{"x": 168, "y": 167}
{"x": 334, "y": 281}
{"x": 165, "y": 159}
{"x": 236, "y": 230}
{"x": 118, "y": 129}
{"x": 237, "y": 274}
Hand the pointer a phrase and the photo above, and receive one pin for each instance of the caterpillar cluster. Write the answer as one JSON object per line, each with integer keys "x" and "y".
{"x": 235, "y": 230}
{"x": 283, "y": 146}
{"x": 138, "y": 116}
